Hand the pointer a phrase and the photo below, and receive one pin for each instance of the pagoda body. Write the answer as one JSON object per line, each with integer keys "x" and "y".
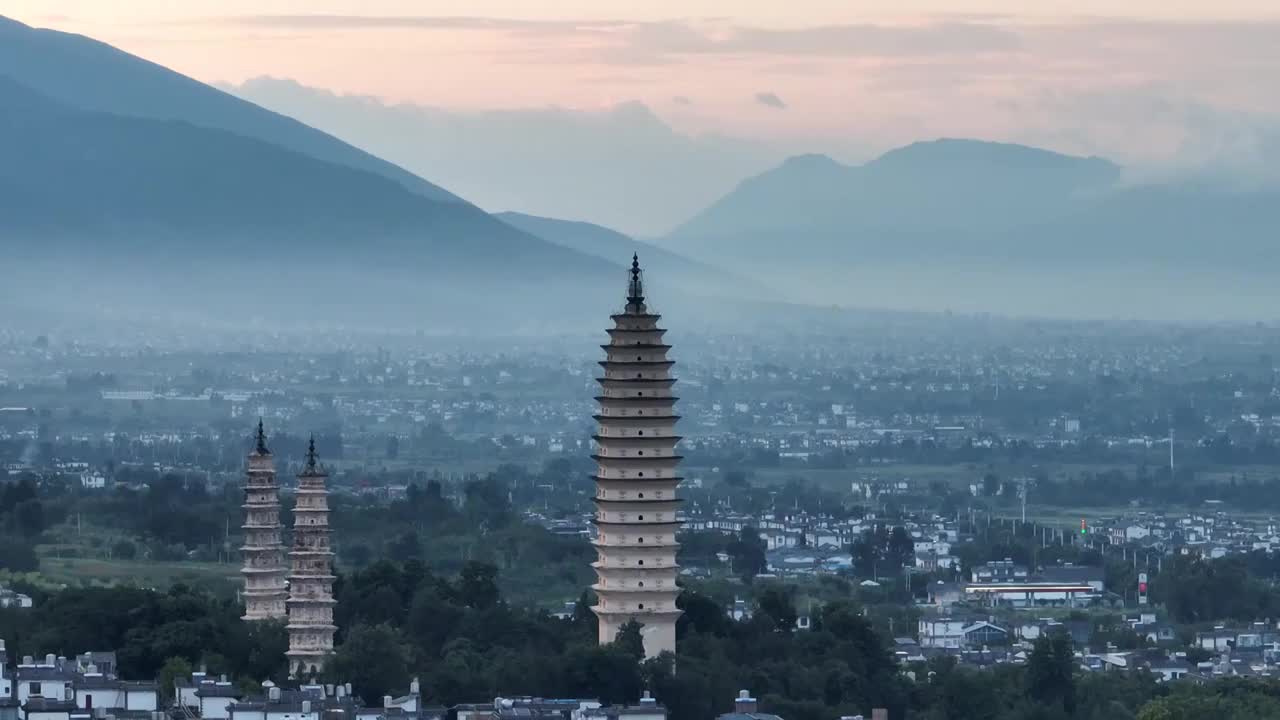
{"x": 263, "y": 552}
{"x": 311, "y": 577}
{"x": 636, "y": 479}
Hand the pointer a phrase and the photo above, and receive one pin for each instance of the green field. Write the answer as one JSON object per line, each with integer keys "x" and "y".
{"x": 83, "y": 572}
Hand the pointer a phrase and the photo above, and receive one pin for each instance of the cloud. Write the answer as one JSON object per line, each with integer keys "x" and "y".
{"x": 429, "y": 22}
{"x": 1153, "y": 130}
{"x": 769, "y": 99}
{"x": 657, "y": 42}
{"x": 681, "y": 100}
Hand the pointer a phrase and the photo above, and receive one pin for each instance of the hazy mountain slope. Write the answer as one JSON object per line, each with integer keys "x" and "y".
{"x": 923, "y": 187}
{"x": 623, "y": 166}
{"x": 79, "y": 190}
{"x": 964, "y": 199}
{"x": 984, "y": 227}
{"x": 91, "y": 75}
{"x": 665, "y": 268}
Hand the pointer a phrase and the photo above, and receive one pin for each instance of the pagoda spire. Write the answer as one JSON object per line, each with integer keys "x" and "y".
{"x": 311, "y": 456}
{"x": 635, "y": 286}
{"x": 262, "y": 440}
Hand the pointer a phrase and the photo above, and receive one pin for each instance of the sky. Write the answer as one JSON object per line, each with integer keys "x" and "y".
{"x": 1160, "y": 85}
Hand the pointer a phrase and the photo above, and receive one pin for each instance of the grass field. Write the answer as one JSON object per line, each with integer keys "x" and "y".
{"x": 88, "y": 572}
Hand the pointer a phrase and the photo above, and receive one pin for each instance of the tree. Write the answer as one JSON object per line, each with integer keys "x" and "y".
{"x": 124, "y": 550}
{"x": 432, "y": 620}
{"x": 1164, "y": 708}
{"x": 779, "y": 604}
{"x": 171, "y": 670}
{"x": 901, "y": 550}
{"x": 748, "y": 553}
{"x": 608, "y": 672}
{"x": 18, "y": 556}
{"x": 1050, "y": 678}
{"x": 630, "y": 640}
{"x": 968, "y": 696}
{"x": 357, "y": 554}
{"x": 582, "y": 615}
{"x": 373, "y": 661}
{"x": 701, "y": 614}
{"x": 478, "y": 585}
{"x": 407, "y": 545}
{"x": 30, "y": 517}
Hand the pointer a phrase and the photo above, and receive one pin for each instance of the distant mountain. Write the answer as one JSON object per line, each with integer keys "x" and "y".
{"x": 964, "y": 198}
{"x": 165, "y": 200}
{"x": 928, "y": 186}
{"x": 623, "y": 166}
{"x": 983, "y": 226}
{"x": 663, "y": 267}
{"x": 91, "y": 75}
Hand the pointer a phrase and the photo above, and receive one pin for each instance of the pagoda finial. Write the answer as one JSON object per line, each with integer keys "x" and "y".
{"x": 311, "y": 455}
{"x": 262, "y": 440}
{"x": 635, "y": 287}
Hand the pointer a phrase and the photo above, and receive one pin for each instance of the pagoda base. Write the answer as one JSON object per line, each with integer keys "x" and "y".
{"x": 658, "y": 630}
{"x": 305, "y": 664}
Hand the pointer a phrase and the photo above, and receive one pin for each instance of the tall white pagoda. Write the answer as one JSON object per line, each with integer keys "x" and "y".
{"x": 311, "y": 577}
{"x": 636, "y": 479}
{"x": 263, "y": 552}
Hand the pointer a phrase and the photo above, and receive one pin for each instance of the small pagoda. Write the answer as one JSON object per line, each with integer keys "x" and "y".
{"x": 263, "y": 552}
{"x": 311, "y": 577}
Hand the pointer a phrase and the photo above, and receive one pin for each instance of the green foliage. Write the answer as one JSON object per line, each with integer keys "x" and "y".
{"x": 1224, "y": 700}
{"x": 1198, "y": 590}
{"x": 882, "y": 552}
{"x": 373, "y": 660}
{"x": 777, "y": 602}
{"x": 630, "y": 641}
{"x": 172, "y": 669}
{"x": 748, "y": 553}
{"x": 29, "y": 515}
{"x": 478, "y": 585}
{"x": 148, "y": 629}
{"x": 18, "y": 555}
{"x": 124, "y": 550}
{"x": 456, "y": 633}
{"x": 1050, "y": 676}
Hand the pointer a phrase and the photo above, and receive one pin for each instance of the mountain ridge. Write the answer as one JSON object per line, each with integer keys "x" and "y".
{"x": 86, "y": 191}
{"x": 990, "y": 227}
{"x": 825, "y": 191}
{"x": 666, "y": 268}
{"x": 89, "y": 74}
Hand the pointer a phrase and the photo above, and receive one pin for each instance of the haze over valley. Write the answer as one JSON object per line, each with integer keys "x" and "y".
{"x": 118, "y": 166}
